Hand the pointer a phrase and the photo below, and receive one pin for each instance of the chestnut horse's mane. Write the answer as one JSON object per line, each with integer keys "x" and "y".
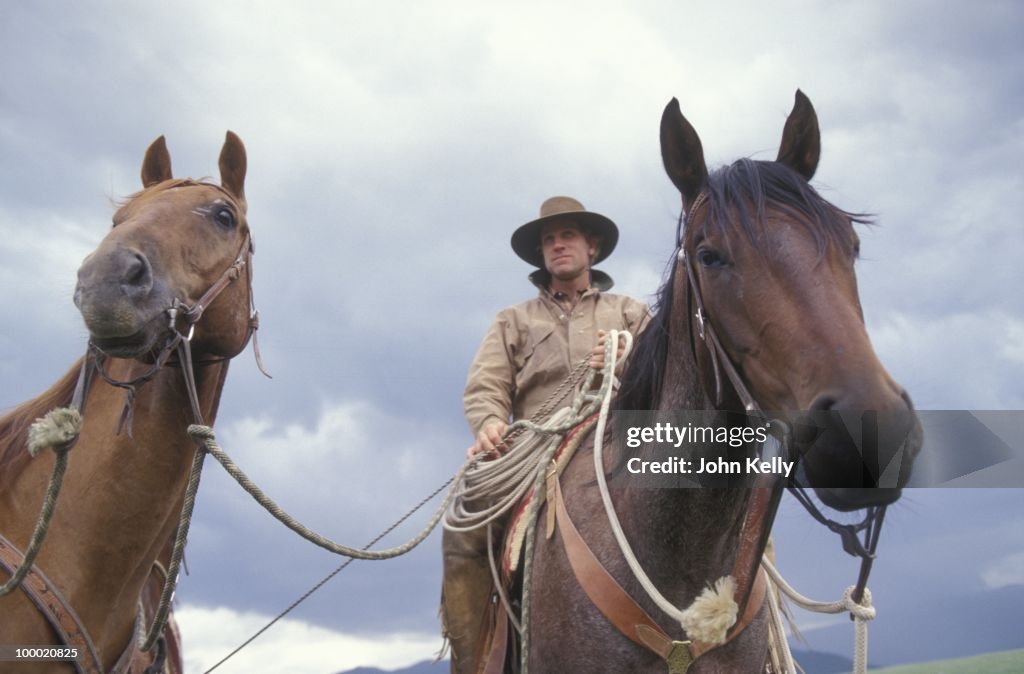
{"x": 14, "y": 425}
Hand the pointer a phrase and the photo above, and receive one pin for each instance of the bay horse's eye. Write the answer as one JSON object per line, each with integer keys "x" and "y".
{"x": 224, "y": 217}
{"x": 710, "y": 258}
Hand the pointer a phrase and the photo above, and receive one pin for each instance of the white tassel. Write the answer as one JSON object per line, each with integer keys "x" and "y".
{"x": 59, "y": 427}
{"x": 710, "y": 616}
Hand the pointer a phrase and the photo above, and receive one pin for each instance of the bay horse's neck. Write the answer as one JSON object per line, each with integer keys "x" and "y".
{"x": 122, "y": 495}
{"x": 696, "y": 525}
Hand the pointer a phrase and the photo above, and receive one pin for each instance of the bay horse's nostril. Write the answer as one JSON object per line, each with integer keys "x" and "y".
{"x": 823, "y": 403}
{"x": 137, "y": 275}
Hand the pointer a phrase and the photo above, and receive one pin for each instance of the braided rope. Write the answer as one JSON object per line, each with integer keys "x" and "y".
{"x": 331, "y": 575}
{"x": 177, "y": 554}
{"x": 204, "y": 437}
{"x": 42, "y": 524}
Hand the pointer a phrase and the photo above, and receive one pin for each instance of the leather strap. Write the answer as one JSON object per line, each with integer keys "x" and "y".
{"x": 601, "y": 588}
{"x": 495, "y": 663}
{"x": 622, "y": 611}
{"x": 52, "y": 605}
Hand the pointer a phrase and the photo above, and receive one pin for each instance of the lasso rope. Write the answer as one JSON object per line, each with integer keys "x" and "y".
{"x": 204, "y": 437}
{"x": 500, "y": 484}
{"x": 58, "y": 431}
{"x": 206, "y": 443}
{"x": 331, "y": 575}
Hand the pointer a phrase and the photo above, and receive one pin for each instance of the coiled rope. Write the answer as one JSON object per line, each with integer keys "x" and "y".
{"x": 497, "y": 486}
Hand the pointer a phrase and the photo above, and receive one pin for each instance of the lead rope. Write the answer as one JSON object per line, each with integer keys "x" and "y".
{"x": 58, "y": 430}
{"x": 861, "y": 612}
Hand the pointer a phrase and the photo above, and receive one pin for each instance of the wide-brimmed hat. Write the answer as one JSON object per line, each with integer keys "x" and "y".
{"x": 526, "y": 239}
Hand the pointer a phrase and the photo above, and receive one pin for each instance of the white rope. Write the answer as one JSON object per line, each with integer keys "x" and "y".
{"x": 862, "y": 612}
{"x": 613, "y": 519}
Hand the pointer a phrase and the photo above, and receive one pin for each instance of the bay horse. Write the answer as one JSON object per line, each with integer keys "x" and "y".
{"x": 768, "y": 264}
{"x": 171, "y": 245}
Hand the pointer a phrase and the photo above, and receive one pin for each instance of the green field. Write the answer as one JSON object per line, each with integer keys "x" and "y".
{"x": 1006, "y": 662}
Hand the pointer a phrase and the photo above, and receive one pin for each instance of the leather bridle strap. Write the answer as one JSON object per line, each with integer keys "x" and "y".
{"x": 195, "y": 312}
{"x": 55, "y": 608}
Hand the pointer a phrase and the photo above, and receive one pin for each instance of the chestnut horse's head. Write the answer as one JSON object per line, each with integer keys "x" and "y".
{"x": 773, "y": 263}
{"x": 169, "y": 245}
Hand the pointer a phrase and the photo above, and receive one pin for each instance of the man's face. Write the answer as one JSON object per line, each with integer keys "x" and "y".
{"x": 567, "y": 251}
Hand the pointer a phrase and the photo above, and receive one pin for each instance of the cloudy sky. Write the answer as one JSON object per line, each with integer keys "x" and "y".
{"x": 393, "y": 147}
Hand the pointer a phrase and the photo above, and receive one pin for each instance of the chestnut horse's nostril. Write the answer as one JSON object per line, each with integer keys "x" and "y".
{"x": 137, "y": 274}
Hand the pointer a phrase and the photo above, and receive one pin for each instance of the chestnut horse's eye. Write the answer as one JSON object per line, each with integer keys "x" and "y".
{"x": 710, "y": 258}
{"x": 224, "y": 217}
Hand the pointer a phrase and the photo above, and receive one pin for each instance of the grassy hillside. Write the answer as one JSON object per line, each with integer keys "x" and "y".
{"x": 1006, "y": 662}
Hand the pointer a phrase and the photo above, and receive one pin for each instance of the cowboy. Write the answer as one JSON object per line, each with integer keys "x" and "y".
{"x": 530, "y": 349}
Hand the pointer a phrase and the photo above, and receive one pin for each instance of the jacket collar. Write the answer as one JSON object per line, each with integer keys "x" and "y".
{"x": 599, "y": 281}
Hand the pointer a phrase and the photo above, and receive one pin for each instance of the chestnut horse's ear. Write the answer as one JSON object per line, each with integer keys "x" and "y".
{"x": 156, "y": 165}
{"x": 801, "y": 139}
{"x": 682, "y": 153}
{"x": 232, "y": 166}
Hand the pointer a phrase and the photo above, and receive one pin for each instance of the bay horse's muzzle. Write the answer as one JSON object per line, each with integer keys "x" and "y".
{"x": 857, "y": 451}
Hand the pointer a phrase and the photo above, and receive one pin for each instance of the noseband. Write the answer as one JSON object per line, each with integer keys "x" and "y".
{"x": 871, "y": 525}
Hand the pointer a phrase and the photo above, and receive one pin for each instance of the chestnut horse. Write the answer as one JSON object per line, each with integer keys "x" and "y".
{"x": 123, "y": 490}
{"x": 770, "y": 265}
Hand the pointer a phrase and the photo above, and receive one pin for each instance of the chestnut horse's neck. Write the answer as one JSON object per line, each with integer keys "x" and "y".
{"x": 119, "y": 504}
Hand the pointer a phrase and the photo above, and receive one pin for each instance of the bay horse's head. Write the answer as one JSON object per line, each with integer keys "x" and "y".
{"x": 170, "y": 244}
{"x": 773, "y": 263}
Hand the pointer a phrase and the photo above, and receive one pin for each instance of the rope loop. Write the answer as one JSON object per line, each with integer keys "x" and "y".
{"x": 862, "y": 611}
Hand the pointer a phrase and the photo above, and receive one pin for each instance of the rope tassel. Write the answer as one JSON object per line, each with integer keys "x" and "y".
{"x": 59, "y": 428}
{"x": 712, "y": 613}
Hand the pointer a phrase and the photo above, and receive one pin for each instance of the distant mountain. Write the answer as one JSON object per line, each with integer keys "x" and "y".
{"x": 816, "y": 662}
{"x": 425, "y": 667}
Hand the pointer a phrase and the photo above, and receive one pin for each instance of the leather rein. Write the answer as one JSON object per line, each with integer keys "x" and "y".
{"x": 43, "y": 592}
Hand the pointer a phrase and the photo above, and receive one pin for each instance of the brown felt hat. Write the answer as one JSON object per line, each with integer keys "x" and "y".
{"x": 526, "y": 239}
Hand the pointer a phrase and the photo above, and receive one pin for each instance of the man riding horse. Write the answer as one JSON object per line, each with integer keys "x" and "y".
{"x": 528, "y": 352}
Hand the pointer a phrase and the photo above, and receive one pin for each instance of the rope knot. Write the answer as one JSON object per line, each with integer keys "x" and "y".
{"x": 862, "y": 611}
{"x": 201, "y": 435}
{"x": 57, "y": 430}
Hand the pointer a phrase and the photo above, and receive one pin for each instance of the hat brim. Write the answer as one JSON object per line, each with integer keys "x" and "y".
{"x": 526, "y": 239}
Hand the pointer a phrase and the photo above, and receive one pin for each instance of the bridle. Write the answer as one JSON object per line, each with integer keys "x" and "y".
{"x": 57, "y": 611}
{"x": 870, "y": 525}
{"x": 180, "y": 341}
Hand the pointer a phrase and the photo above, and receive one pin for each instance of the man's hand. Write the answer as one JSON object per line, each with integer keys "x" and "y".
{"x": 489, "y": 441}
{"x": 597, "y": 355}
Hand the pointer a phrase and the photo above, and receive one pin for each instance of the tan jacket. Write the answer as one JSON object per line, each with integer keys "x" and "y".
{"x": 533, "y": 346}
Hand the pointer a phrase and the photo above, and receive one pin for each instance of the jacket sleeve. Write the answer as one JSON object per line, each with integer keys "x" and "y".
{"x": 490, "y": 384}
{"x": 636, "y": 315}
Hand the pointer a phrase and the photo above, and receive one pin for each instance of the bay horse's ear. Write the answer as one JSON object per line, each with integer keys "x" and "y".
{"x": 156, "y": 165}
{"x": 801, "y": 139}
{"x": 682, "y": 153}
{"x": 232, "y": 165}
